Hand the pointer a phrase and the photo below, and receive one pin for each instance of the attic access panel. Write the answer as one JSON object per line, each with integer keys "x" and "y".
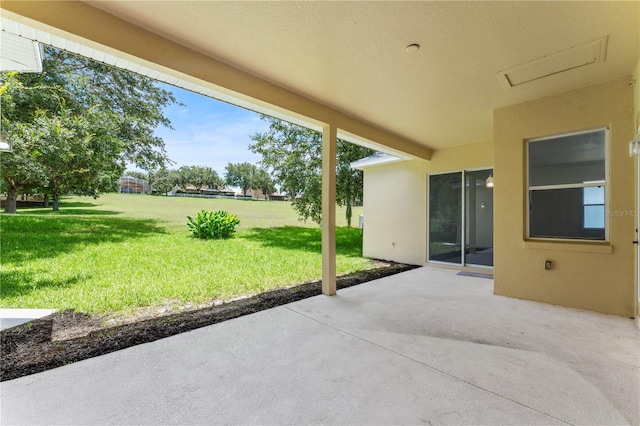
{"x": 566, "y": 60}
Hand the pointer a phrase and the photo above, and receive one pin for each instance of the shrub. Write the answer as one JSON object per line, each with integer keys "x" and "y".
{"x": 216, "y": 225}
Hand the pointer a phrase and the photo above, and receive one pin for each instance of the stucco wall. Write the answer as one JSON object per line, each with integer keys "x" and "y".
{"x": 594, "y": 276}
{"x": 395, "y": 201}
{"x": 394, "y": 211}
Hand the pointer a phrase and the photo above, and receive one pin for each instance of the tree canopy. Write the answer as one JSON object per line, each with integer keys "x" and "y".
{"x": 138, "y": 174}
{"x": 293, "y": 154}
{"x": 240, "y": 175}
{"x": 162, "y": 180}
{"x": 262, "y": 181}
{"x": 198, "y": 176}
{"x": 75, "y": 126}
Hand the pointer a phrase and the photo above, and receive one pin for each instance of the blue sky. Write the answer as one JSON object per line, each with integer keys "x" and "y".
{"x": 207, "y": 132}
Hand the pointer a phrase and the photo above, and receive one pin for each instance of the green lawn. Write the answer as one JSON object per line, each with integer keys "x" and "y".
{"x": 124, "y": 251}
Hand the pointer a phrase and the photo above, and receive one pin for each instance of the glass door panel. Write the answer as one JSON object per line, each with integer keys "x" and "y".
{"x": 445, "y": 218}
{"x": 478, "y": 219}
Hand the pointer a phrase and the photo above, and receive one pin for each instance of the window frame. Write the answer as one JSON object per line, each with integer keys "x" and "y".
{"x": 605, "y": 184}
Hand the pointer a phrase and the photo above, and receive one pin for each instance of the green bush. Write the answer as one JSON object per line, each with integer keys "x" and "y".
{"x": 216, "y": 225}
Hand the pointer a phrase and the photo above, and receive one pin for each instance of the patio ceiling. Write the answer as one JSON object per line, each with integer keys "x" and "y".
{"x": 350, "y": 56}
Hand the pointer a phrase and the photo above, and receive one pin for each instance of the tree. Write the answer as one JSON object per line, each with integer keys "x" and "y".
{"x": 263, "y": 182}
{"x": 182, "y": 177}
{"x": 204, "y": 176}
{"x": 240, "y": 175}
{"x": 211, "y": 178}
{"x": 137, "y": 174}
{"x": 161, "y": 180}
{"x": 19, "y": 171}
{"x": 294, "y": 156}
{"x": 198, "y": 176}
{"x": 92, "y": 116}
{"x": 72, "y": 154}
{"x": 349, "y": 181}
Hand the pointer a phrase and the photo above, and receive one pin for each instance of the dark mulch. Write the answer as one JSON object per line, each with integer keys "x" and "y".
{"x": 31, "y": 348}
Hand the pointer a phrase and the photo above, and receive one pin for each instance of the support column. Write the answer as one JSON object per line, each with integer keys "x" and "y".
{"x": 329, "y": 136}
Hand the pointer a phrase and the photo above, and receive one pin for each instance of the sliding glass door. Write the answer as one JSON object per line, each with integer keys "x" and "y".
{"x": 461, "y": 218}
{"x": 445, "y": 218}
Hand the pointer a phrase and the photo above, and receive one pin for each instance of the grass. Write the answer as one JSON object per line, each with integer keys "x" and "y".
{"x": 124, "y": 251}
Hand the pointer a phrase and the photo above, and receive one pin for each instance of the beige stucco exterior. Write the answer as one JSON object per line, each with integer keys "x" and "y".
{"x": 593, "y": 276}
{"x": 394, "y": 212}
{"x": 588, "y": 275}
{"x": 395, "y": 201}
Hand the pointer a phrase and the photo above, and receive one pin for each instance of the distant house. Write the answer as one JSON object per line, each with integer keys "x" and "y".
{"x": 257, "y": 194}
{"x": 134, "y": 185}
{"x": 213, "y": 190}
{"x": 189, "y": 189}
{"x": 226, "y": 192}
{"x": 278, "y": 197}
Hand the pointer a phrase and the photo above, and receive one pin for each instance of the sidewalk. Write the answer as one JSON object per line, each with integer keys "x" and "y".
{"x": 12, "y": 317}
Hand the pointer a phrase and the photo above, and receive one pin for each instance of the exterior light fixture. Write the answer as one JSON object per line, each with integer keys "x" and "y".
{"x": 490, "y": 181}
{"x": 634, "y": 145}
{"x": 6, "y": 145}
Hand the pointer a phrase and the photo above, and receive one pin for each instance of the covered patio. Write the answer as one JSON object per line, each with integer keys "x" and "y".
{"x": 425, "y": 346}
{"x": 447, "y": 87}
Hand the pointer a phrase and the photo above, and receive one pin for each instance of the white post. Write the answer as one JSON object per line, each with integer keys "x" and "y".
{"x": 329, "y": 136}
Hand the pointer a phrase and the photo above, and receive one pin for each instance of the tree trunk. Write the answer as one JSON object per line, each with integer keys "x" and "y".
{"x": 348, "y": 211}
{"x": 46, "y": 201}
{"x": 56, "y": 201}
{"x": 10, "y": 203}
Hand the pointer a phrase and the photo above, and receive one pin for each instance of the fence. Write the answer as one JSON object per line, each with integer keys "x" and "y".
{"x": 227, "y": 197}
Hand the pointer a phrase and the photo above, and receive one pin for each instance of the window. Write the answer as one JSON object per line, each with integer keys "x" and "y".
{"x": 567, "y": 186}
{"x": 593, "y": 200}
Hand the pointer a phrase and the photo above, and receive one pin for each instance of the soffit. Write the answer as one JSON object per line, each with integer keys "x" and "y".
{"x": 350, "y": 55}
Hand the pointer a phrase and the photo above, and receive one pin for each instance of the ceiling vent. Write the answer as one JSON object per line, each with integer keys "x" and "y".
{"x": 566, "y": 60}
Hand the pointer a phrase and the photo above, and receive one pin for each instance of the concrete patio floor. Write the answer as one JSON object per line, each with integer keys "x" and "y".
{"x": 12, "y": 317}
{"x": 425, "y": 346}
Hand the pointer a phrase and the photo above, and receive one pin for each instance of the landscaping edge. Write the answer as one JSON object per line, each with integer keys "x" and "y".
{"x": 29, "y": 349}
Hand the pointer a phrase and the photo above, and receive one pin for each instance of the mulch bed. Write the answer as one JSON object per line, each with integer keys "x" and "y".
{"x": 32, "y": 348}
